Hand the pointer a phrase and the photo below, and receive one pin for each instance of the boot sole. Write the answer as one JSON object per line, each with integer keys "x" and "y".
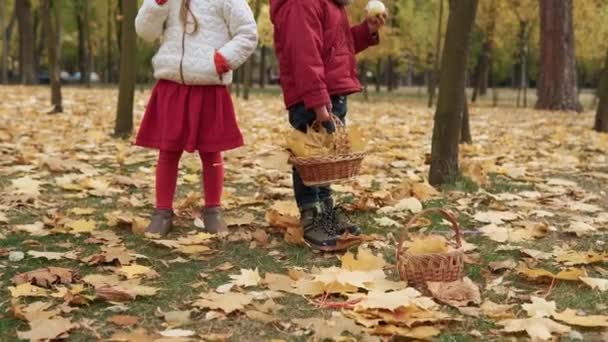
{"x": 318, "y": 248}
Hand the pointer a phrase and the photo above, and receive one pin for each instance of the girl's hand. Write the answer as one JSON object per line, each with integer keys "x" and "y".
{"x": 377, "y": 22}
{"x": 221, "y": 64}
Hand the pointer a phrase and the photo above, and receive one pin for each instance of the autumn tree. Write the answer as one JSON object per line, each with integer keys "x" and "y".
{"x": 23, "y": 9}
{"x": 450, "y": 104}
{"x": 557, "y": 89}
{"x": 601, "y": 117}
{"x": 487, "y": 18}
{"x": 124, "y": 112}
{"x": 248, "y": 67}
{"x": 435, "y": 77}
{"x": 7, "y": 29}
{"x": 82, "y": 11}
{"x": 51, "y": 23}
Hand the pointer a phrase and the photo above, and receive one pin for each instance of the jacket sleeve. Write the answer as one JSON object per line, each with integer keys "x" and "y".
{"x": 303, "y": 45}
{"x": 363, "y": 38}
{"x": 243, "y": 30}
{"x": 150, "y": 19}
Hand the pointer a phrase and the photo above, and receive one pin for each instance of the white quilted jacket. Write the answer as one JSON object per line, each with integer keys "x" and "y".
{"x": 227, "y": 26}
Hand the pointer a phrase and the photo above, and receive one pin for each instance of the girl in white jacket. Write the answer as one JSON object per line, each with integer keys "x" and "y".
{"x": 190, "y": 109}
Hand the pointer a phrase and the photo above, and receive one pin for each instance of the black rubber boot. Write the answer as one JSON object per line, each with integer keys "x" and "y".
{"x": 319, "y": 231}
{"x": 340, "y": 219}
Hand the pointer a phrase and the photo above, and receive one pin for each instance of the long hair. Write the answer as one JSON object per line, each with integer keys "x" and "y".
{"x": 183, "y": 16}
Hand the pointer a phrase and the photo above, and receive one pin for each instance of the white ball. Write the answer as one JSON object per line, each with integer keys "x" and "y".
{"x": 374, "y": 8}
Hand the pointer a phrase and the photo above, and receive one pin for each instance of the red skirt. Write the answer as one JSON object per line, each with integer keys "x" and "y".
{"x": 189, "y": 118}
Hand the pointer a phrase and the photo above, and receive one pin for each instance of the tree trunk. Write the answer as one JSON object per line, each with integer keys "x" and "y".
{"x": 484, "y": 67}
{"x": 109, "y": 42}
{"x": 557, "y": 88}
{"x": 84, "y": 43}
{"x": 435, "y": 77}
{"x": 450, "y": 104}
{"x": 124, "y": 113}
{"x": 40, "y": 36}
{"x": 465, "y": 127}
{"x": 248, "y": 75}
{"x": 601, "y": 117}
{"x": 262, "y": 76}
{"x": 389, "y": 73}
{"x": 50, "y": 25}
{"x": 26, "y": 41}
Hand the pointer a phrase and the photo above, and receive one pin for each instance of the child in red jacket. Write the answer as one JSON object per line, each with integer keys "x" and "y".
{"x": 316, "y": 48}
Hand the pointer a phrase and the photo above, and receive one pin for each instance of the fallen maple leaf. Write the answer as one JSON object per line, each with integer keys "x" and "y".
{"x": 493, "y": 310}
{"x": 46, "y": 277}
{"x": 27, "y": 290}
{"x": 134, "y": 271}
{"x": 177, "y": 333}
{"x": 457, "y": 293}
{"x": 80, "y": 226}
{"x": 331, "y": 328}
{"x": 124, "y": 320}
{"x": 247, "y": 278}
{"x": 176, "y": 319}
{"x": 227, "y": 302}
{"x": 571, "y": 258}
{"x": 539, "y": 307}
{"x": 536, "y": 327}
{"x": 48, "y": 329}
{"x": 424, "y": 332}
{"x": 495, "y": 217}
{"x": 572, "y": 274}
{"x": 596, "y": 283}
{"x": 365, "y": 261}
{"x": 569, "y": 316}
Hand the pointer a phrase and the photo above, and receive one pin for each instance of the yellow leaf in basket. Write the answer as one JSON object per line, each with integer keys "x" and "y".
{"x": 308, "y": 144}
{"x": 429, "y": 244}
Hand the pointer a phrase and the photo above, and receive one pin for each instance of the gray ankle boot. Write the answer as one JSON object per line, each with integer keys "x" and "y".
{"x": 161, "y": 222}
{"x": 213, "y": 220}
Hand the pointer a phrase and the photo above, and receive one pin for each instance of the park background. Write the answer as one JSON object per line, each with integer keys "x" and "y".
{"x": 507, "y": 129}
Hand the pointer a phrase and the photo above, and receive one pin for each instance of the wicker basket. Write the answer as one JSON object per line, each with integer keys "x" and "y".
{"x": 417, "y": 269}
{"x": 340, "y": 166}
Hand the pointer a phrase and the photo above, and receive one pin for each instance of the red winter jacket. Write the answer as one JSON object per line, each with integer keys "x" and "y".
{"x": 316, "y": 48}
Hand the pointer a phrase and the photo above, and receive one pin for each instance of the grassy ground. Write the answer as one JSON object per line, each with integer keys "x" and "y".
{"x": 181, "y": 283}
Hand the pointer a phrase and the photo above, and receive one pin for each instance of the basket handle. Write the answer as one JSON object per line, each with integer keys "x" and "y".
{"x": 341, "y": 136}
{"x": 446, "y": 214}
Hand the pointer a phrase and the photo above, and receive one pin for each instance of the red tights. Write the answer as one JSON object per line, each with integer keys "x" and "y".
{"x": 166, "y": 178}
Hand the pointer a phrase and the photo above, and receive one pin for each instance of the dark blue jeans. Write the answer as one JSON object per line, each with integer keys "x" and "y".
{"x": 300, "y": 118}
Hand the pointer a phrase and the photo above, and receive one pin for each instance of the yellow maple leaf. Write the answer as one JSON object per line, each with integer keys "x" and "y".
{"x": 27, "y": 290}
{"x": 247, "y": 278}
{"x": 365, "y": 261}
{"x": 81, "y": 226}
{"x": 537, "y": 327}
{"x": 569, "y": 316}
{"x": 135, "y": 270}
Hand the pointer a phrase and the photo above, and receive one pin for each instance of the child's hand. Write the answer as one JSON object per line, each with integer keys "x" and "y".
{"x": 377, "y": 22}
{"x": 221, "y": 64}
{"x": 322, "y": 114}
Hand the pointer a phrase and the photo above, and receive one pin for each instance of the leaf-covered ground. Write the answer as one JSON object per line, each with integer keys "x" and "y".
{"x": 532, "y": 204}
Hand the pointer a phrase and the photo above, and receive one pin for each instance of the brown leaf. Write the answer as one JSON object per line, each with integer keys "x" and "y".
{"x": 124, "y": 320}
{"x": 48, "y": 329}
{"x": 46, "y": 277}
{"x": 457, "y": 293}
